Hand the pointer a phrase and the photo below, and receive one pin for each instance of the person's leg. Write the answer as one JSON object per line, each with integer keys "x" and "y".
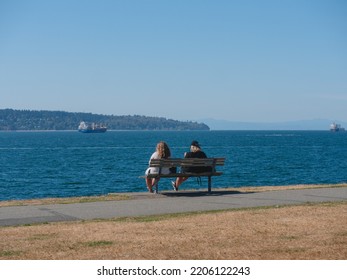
{"x": 179, "y": 181}
{"x": 155, "y": 182}
{"x": 150, "y": 182}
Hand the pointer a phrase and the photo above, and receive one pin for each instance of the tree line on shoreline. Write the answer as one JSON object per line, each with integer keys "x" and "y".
{"x": 13, "y": 120}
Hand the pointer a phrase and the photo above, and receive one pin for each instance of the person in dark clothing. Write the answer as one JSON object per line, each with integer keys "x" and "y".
{"x": 195, "y": 152}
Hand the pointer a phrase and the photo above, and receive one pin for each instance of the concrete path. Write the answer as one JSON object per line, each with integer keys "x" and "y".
{"x": 144, "y": 204}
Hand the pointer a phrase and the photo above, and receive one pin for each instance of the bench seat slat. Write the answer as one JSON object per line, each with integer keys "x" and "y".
{"x": 187, "y": 162}
{"x": 172, "y": 175}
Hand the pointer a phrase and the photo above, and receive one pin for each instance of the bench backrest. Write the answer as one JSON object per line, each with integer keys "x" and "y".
{"x": 187, "y": 162}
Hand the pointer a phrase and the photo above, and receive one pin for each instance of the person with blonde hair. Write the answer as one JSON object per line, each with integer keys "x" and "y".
{"x": 162, "y": 151}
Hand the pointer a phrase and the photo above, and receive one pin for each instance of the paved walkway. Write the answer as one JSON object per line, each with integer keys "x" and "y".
{"x": 144, "y": 204}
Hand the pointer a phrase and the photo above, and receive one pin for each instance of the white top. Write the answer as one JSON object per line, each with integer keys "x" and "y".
{"x": 155, "y": 170}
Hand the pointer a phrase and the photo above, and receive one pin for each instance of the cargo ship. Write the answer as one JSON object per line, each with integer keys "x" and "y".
{"x": 334, "y": 127}
{"x": 91, "y": 128}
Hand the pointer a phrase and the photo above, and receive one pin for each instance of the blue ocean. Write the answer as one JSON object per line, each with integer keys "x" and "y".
{"x": 65, "y": 164}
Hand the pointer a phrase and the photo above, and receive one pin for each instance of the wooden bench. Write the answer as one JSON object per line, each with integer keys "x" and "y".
{"x": 181, "y": 163}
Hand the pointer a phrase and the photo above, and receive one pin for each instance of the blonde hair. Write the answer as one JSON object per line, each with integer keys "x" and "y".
{"x": 163, "y": 150}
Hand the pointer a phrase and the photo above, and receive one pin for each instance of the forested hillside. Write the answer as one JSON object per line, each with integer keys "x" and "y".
{"x": 58, "y": 120}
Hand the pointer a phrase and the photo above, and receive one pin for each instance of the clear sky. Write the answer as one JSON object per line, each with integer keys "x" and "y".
{"x": 236, "y": 60}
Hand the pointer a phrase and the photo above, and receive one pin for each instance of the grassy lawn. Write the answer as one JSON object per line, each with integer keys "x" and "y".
{"x": 311, "y": 231}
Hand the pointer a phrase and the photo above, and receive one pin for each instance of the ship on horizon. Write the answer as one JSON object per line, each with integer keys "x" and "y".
{"x": 334, "y": 127}
{"x": 85, "y": 127}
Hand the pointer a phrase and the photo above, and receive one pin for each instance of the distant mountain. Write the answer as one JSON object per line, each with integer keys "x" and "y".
{"x": 317, "y": 124}
{"x": 58, "y": 120}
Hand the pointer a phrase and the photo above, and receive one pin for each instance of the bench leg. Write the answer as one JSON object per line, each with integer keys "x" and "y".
{"x": 156, "y": 188}
{"x": 209, "y": 183}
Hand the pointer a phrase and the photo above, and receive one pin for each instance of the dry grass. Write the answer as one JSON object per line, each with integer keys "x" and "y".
{"x": 64, "y": 200}
{"x": 294, "y": 232}
{"x": 290, "y": 187}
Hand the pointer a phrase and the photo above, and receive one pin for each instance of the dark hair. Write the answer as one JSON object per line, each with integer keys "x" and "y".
{"x": 195, "y": 143}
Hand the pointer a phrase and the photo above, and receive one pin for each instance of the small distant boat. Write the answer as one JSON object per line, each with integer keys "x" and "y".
{"x": 334, "y": 127}
{"x": 91, "y": 128}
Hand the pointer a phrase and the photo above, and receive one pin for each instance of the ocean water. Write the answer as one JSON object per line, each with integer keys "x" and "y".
{"x": 65, "y": 164}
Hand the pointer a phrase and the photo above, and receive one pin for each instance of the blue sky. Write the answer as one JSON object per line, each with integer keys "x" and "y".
{"x": 188, "y": 60}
